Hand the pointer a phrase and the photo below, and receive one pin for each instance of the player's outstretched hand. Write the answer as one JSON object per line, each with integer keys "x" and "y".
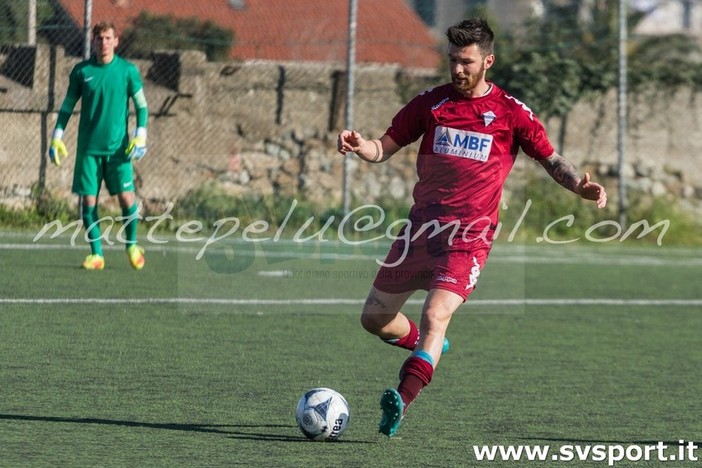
{"x": 592, "y": 191}
{"x": 57, "y": 151}
{"x": 349, "y": 141}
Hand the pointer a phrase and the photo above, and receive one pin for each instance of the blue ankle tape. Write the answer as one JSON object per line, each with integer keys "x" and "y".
{"x": 424, "y": 356}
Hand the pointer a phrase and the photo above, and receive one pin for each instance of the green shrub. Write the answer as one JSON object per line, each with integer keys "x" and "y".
{"x": 543, "y": 209}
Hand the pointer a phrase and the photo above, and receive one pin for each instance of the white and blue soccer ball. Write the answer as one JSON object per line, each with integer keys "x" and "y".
{"x": 322, "y": 414}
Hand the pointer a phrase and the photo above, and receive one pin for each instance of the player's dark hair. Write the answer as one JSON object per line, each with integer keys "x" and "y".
{"x": 473, "y": 31}
{"x": 102, "y": 27}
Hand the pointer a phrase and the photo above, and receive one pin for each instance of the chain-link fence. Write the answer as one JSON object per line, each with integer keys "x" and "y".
{"x": 217, "y": 114}
{"x": 246, "y": 98}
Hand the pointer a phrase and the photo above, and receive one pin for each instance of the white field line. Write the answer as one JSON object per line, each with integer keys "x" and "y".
{"x": 557, "y": 256}
{"x": 354, "y": 302}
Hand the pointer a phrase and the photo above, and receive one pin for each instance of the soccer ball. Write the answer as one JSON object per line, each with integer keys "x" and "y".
{"x": 322, "y": 414}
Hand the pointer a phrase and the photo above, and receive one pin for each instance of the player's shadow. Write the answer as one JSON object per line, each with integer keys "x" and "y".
{"x": 235, "y": 431}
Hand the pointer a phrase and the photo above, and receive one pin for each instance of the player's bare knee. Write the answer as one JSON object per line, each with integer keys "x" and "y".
{"x": 435, "y": 317}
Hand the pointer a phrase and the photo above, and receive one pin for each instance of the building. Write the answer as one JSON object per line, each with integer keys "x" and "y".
{"x": 669, "y": 17}
{"x": 388, "y": 31}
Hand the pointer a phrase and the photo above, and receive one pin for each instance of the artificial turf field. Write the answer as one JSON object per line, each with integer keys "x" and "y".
{"x": 201, "y": 362}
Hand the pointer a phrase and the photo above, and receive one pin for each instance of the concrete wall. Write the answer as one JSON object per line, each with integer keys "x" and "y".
{"x": 270, "y": 128}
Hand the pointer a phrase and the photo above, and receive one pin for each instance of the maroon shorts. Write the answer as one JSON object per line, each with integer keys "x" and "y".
{"x": 429, "y": 263}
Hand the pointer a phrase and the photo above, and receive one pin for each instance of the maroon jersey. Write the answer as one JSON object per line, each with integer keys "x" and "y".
{"x": 468, "y": 148}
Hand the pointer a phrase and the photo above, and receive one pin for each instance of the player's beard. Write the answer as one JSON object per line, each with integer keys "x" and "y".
{"x": 466, "y": 84}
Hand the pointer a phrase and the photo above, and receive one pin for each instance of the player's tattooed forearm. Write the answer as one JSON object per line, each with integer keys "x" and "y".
{"x": 562, "y": 171}
{"x": 373, "y": 300}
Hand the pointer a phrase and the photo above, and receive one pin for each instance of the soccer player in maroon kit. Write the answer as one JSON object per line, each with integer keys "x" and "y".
{"x": 471, "y": 133}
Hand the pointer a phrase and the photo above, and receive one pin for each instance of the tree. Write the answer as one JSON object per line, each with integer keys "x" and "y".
{"x": 13, "y": 20}
{"x": 571, "y": 52}
{"x": 152, "y": 32}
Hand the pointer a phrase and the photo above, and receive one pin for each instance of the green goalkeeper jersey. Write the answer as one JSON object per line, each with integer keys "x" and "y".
{"x": 104, "y": 91}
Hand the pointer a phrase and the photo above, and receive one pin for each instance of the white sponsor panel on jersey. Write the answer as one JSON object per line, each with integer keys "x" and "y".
{"x": 462, "y": 143}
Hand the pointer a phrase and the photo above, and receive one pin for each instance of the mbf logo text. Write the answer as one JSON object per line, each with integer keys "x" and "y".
{"x": 462, "y": 143}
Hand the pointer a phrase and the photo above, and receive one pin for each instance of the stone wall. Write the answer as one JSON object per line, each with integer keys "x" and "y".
{"x": 270, "y": 128}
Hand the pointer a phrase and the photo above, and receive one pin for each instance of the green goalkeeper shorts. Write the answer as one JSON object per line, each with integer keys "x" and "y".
{"x": 90, "y": 171}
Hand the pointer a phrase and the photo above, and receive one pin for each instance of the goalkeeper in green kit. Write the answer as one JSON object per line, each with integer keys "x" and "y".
{"x": 105, "y": 152}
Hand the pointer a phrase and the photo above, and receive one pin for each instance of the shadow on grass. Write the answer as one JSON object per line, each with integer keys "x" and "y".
{"x": 234, "y": 431}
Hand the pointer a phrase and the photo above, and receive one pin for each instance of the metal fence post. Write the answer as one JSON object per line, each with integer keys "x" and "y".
{"x": 350, "y": 84}
{"x": 32, "y": 22}
{"x": 86, "y": 28}
{"x": 622, "y": 113}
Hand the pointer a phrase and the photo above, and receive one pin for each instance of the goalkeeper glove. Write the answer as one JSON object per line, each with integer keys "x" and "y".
{"x": 137, "y": 145}
{"x": 57, "y": 149}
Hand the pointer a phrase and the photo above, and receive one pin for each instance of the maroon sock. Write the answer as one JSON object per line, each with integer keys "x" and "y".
{"x": 416, "y": 373}
{"x": 409, "y": 341}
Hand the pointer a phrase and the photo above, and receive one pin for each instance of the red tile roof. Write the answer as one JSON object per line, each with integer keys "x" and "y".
{"x": 388, "y": 31}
